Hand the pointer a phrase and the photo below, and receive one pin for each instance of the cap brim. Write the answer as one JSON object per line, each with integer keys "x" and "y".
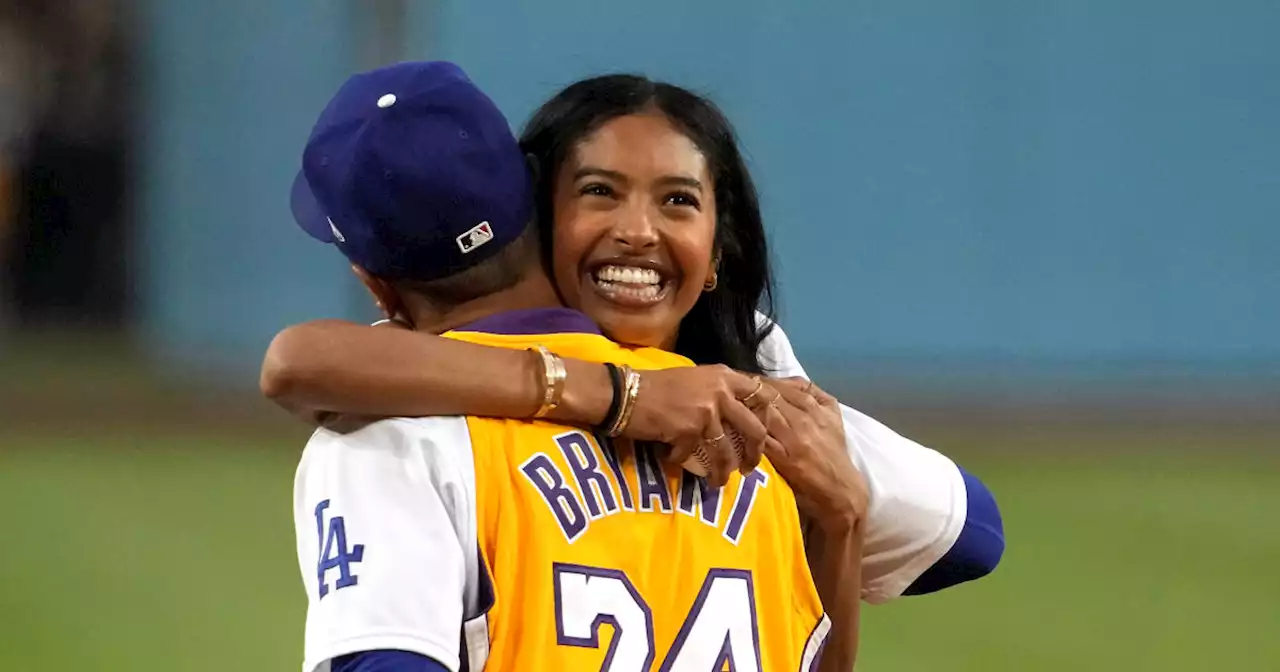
{"x": 307, "y": 211}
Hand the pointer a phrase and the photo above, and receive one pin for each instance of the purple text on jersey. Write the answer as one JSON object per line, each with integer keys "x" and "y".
{"x": 588, "y": 493}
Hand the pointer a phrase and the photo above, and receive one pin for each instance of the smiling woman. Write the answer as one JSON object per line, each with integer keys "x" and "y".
{"x": 641, "y": 178}
{"x": 635, "y": 247}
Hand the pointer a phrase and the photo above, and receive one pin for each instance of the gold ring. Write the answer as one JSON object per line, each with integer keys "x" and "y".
{"x": 708, "y": 442}
{"x": 749, "y": 397}
{"x": 808, "y": 388}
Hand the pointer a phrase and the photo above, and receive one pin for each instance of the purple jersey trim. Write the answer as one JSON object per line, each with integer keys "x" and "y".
{"x": 385, "y": 661}
{"x": 533, "y": 321}
{"x": 977, "y": 550}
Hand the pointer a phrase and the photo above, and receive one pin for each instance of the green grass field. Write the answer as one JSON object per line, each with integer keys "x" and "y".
{"x": 124, "y": 553}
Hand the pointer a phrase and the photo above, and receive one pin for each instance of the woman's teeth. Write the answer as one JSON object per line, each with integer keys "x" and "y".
{"x": 628, "y": 281}
{"x": 629, "y": 275}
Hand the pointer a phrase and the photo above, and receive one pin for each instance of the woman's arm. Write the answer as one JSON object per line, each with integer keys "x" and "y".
{"x": 834, "y": 561}
{"x": 333, "y": 366}
{"x": 807, "y": 447}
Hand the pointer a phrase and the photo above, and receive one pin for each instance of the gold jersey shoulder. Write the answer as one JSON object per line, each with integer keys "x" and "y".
{"x": 589, "y": 347}
{"x": 579, "y": 533}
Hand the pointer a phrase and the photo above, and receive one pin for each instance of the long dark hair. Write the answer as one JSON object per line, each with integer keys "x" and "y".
{"x": 722, "y": 327}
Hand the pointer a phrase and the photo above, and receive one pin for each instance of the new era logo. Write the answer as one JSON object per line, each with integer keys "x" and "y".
{"x": 475, "y": 237}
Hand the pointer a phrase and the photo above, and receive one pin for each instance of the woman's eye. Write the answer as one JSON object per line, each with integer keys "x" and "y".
{"x": 682, "y": 199}
{"x": 596, "y": 189}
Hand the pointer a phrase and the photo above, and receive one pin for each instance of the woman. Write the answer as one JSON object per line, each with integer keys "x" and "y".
{"x": 652, "y": 227}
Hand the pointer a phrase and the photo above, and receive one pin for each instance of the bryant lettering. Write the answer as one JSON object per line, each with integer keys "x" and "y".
{"x": 595, "y": 486}
{"x": 334, "y": 553}
{"x": 545, "y": 476}
{"x": 592, "y": 482}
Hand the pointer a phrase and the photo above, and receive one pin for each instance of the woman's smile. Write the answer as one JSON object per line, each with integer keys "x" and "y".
{"x": 629, "y": 286}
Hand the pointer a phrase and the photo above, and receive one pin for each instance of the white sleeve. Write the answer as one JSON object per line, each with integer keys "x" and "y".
{"x": 775, "y": 355}
{"x": 918, "y": 501}
{"x": 916, "y": 510}
{"x": 386, "y": 533}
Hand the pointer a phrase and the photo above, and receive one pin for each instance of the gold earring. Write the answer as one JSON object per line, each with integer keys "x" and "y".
{"x": 711, "y": 284}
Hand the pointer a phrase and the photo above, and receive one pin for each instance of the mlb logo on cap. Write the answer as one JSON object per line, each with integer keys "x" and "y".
{"x": 481, "y": 234}
{"x": 403, "y": 163}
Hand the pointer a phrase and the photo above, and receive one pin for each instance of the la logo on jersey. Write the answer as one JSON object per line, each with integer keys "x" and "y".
{"x": 475, "y": 237}
{"x": 334, "y": 553}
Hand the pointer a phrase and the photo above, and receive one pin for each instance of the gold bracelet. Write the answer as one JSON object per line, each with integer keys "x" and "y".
{"x": 624, "y": 403}
{"x": 633, "y": 393}
{"x": 553, "y": 376}
{"x": 630, "y": 391}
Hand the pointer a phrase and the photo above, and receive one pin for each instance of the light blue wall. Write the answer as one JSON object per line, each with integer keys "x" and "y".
{"x": 232, "y": 89}
{"x": 1041, "y": 184}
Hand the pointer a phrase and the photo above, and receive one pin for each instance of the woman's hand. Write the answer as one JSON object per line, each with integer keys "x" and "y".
{"x": 807, "y": 447}
{"x": 691, "y": 407}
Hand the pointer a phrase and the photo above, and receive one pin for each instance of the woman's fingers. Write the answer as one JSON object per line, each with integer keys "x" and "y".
{"x": 783, "y": 420}
{"x": 775, "y": 451}
{"x": 749, "y": 452}
{"x": 720, "y": 453}
{"x": 795, "y": 394}
{"x": 742, "y": 386}
{"x": 824, "y": 399}
{"x": 806, "y": 386}
{"x": 681, "y": 452}
{"x": 749, "y": 430}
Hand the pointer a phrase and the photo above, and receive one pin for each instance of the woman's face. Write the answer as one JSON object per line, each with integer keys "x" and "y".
{"x": 634, "y": 230}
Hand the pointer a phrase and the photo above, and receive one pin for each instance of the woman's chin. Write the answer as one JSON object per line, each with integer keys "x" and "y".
{"x": 635, "y": 318}
{"x": 639, "y": 329}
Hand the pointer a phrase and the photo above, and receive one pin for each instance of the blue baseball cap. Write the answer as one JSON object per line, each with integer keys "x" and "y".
{"x": 413, "y": 173}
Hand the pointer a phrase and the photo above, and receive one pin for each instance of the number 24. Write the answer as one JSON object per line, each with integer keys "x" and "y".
{"x": 721, "y": 626}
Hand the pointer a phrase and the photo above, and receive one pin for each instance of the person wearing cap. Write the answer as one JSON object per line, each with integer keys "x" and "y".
{"x": 451, "y": 543}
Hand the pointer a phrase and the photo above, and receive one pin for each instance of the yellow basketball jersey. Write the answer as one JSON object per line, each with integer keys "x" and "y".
{"x": 602, "y": 557}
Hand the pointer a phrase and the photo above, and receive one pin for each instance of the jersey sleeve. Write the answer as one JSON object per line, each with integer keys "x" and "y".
{"x": 385, "y": 523}
{"x": 918, "y": 504}
{"x": 916, "y": 510}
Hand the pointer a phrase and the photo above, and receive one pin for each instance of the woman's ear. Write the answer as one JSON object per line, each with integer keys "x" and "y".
{"x": 713, "y": 273}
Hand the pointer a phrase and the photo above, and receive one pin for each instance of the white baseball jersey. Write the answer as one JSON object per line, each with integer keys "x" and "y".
{"x": 917, "y": 503}
{"x": 382, "y": 516}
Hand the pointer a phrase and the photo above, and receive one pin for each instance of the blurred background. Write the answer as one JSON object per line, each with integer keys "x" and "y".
{"x": 1043, "y": 237}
